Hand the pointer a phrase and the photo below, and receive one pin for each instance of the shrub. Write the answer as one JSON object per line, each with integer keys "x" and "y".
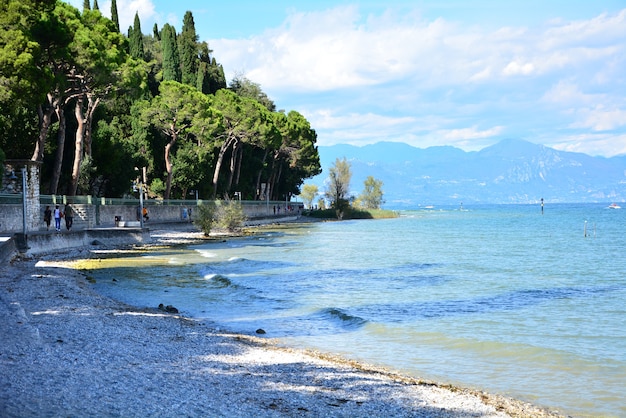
{"x": 230, "y": 215}
{"x": 206, "y": 217}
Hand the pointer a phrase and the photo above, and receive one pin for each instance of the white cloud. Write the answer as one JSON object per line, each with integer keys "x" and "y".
{"x": 518, "y": 68}
{"x": 593, "y": 144}
{"x": 471, "y": 133}
{"x": 600, "y": 119}
{"x": 126, "y": 10}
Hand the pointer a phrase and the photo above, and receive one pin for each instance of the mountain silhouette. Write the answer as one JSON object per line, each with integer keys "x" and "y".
{"x": 511, "y": 171}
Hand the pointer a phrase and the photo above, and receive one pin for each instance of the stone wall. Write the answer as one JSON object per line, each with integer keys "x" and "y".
{"x": 16, "y": 175}
{"x": 94, "y": 215}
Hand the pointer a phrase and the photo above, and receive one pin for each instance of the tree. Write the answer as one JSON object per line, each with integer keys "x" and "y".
{"x": 296, "y": 158}
{"x": 114, "y": 16}
{"x": 99, "y": 52}
{"x": 177, "y": 111}
{"x": 372, "y": 196}
{"x": 246, "y": 88}
{"x": 171, "y": 58}
{"x": 240, "y": 121}
{"x": 188, "y": 49}
{"x": 308, "y": 194}
{"x": 32, "y": 41}
{"x": 339, "y": 185}
{"x": 203, "y": 79}
{"x": 135, "y": 40}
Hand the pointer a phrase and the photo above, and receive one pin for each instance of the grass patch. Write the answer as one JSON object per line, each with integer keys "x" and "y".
{"x": 353, "y": 213}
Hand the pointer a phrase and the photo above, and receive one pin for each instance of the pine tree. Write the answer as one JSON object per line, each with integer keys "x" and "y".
{"x": 136, "y": 40}
{"x": 188, "y": 48}
{"x": 171, "y": 59}
{"x": 114, "y": 17}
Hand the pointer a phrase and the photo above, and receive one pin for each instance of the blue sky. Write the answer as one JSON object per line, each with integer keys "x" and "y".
{"x": 450, "y": 72}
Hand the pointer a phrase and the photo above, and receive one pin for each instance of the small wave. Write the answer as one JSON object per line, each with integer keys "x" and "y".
{"x": 206, "y": 254}
{"x": 345, "y": 318}
{"x": 219, "y": 280}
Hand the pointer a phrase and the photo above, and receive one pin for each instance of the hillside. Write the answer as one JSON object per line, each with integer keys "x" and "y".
{"x": 512, "y": 171}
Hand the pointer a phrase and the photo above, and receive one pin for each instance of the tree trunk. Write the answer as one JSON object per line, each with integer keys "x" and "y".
{"x": 218, "y": 165}
{"x": 239, "y": 159}
{"x": 45, "y": 120}
{"x": 277, "y": 180}
{"x": 168, "y": 162}
{"x": 233, "y": 164}
{"x": 58, "y": 158}
{"x": 260, "y": 173}
{"x": 91, "y": 108}
{"x": 78, "y": 151}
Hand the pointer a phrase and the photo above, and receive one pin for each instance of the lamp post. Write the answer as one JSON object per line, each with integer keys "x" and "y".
{"x": 141, "y": 204}
{"x": 140, "y": 181}
{"x": 24, "y": 200}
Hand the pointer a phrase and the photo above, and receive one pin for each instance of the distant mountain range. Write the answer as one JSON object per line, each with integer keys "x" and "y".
{"x": 512, "y": 171}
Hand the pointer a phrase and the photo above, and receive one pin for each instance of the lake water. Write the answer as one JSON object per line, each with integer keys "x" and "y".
{"x": 500, "y": 298}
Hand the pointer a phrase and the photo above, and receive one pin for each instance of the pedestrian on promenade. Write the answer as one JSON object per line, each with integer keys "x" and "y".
{"x": 57, "y": 218}
{"x": 69, "y": 217}
{"x": 47, "y": 217}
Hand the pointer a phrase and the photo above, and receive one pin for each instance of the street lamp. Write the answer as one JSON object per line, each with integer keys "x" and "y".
{"x": 140, "y": 183}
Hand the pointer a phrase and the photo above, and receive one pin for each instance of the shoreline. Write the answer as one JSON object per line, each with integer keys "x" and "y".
{"x": 69, "y": 351}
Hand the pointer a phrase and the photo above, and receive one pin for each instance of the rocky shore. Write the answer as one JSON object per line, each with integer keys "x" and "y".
{"x": 69, "y": 352}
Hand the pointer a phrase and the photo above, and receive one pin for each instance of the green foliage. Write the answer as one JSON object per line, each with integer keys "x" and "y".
{"x": 372, "y": 195}
{"x": 31, "y": 37}
{"x": 205, "y": 217}
{"x": 157, "y": 188}
{"x": 309, "y": 192}
{"x": 136, "y": 40}
{"x": 338, "y": 187}
{"x": 188, "y": 49}
{"x": 230, "y": 215}
{"x": 246, "y": 88}
{"x": 87, "y": 170}
{"x": 51, "y": 54}
{"x": 171, "y": 58}
{"x": 114, "y": 16}
{"x": 352, "y": 213}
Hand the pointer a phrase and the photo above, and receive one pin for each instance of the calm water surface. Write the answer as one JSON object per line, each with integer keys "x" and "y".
{"x": 500, "y": 298}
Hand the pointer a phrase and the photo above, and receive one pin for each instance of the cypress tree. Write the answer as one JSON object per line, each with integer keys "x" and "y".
{"x": 86, "y": 6}
{"x": 203, "y": 80}
{"x": 188, "y": 48}
{"x": 114, "y": 17}
{"x": 136, "y": 40}
{"x": 171, "y": 59}
{"x": 155, "y": 32}
{"x": 95, "y": 5}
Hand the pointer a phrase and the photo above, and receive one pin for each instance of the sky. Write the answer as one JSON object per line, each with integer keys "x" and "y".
{"x": 427, "y": 73}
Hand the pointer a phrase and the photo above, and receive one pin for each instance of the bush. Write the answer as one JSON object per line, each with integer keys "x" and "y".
{"x": 230, "y": 215}
{"x": 205, "y": 217}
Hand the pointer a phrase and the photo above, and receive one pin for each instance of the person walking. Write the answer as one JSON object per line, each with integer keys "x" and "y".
{"x": 69, "y": 217}
{"x": 47, "y": 217}
{"x": 57, "y": 218}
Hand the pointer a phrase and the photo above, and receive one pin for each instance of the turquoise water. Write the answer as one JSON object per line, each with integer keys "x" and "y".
{"x": 500, "y": 298}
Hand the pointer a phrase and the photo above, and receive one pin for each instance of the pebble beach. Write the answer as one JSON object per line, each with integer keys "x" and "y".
{"x": 69, "y": 352}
